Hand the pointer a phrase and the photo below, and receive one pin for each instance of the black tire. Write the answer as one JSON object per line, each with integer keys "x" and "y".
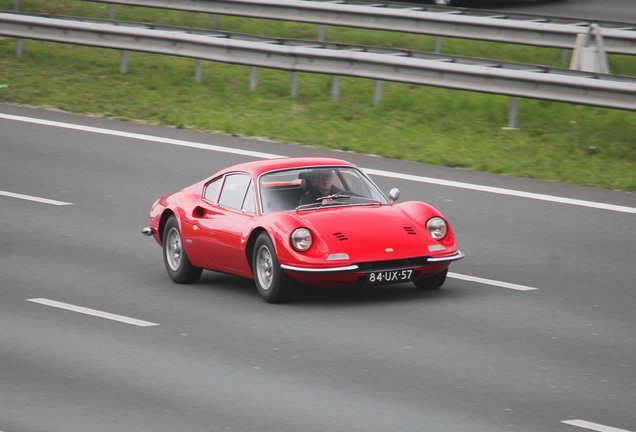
{"x": 432, "y": 282}
{"x": 272, "y": 283}
{"x": 175, "y": 258}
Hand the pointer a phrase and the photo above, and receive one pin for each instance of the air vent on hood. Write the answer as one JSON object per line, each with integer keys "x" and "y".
{"x": 410, "y": 230}
{"x": 340, "y": 236}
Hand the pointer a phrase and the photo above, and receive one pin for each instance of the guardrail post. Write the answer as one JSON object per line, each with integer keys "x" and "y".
{"x": 589, "y": 52}
{"x": 112, "y": 12}
{"x": 18, "y": 47}
{"x": 198, "y": 71}
{"x": 438, "y": 44}
{"x": 595, "y": 30}
{"x": 18, "y": 42}
{"x": 335, "y": 88}
{"x": 512, "y": 114}
{"x": 253, "y": 79}
{"x": 123, "y": 66}
{"x": 321, "y": 33}
{"x": 565, "y": 54}
{"x": 213, "y": 21}
{"x": 377, "y": 93}
{"x": 294, "y": 84}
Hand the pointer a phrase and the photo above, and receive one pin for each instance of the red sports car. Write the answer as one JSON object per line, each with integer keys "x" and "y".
{"x": 315, "y": 221}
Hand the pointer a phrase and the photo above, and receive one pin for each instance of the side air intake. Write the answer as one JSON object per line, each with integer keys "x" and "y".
{"x": 340, "y": 236}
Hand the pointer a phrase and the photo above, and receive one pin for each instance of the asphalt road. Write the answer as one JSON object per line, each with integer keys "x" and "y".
{"x": 607, "y": 10}
{"x": 477, "y": 355}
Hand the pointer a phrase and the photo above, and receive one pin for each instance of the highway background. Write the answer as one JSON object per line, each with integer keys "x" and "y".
{"x": 477, "y": 355}
{"x": 608, "y": 10}
{"x": 472, "y": 356}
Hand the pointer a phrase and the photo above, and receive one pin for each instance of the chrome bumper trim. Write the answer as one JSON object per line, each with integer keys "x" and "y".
{"x": 459, "y": 255}
{"x": 319, "y": 270}
{"x": 147, "y": 231}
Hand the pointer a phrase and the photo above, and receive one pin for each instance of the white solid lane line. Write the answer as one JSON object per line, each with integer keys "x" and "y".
{"x": 92, "y": 312}
{"x": 33, "y": 198}
{"x": 502, "y": 191}
{"x": 143, "y": 137}
{"x": 421, "y": 179}
{"x": 593, "y": 426}
{"x": 490, "y": 282}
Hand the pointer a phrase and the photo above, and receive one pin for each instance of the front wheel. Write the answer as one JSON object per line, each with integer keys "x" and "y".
{"x": 177, "y": 263}
{"x": 272, "y": 282}
{"x": 432, "y": 282}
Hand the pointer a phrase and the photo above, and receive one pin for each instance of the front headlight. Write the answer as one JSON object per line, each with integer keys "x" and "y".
{"x": 436, "y": 227}
{"x": 301, "y": 239}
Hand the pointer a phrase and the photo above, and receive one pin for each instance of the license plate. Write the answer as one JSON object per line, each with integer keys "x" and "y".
{"x": 389, "y": 276}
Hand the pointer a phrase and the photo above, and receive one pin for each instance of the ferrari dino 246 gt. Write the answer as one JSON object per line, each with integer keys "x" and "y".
{"x": 313, "y": 221}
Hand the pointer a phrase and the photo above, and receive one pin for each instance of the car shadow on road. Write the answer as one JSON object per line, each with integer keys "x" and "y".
{"x": 370, "y": 295}
{"x": 339, "y": 296}
{"x": 227, "y": 282}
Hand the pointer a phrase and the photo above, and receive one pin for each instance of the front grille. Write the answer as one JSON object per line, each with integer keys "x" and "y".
{"x": 393, "y": 264}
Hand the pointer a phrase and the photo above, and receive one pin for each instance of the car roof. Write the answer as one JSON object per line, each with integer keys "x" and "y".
{"x": 258, "y": 167}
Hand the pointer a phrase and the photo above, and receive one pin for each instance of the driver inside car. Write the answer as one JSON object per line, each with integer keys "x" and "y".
{"x": 320, "y": 185}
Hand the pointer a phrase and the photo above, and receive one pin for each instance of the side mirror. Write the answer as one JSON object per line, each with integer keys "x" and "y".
{"x": 394, "y": 194}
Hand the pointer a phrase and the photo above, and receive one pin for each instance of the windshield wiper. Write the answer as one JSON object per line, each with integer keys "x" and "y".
{"x": 353, "y": 197}
{"x": 332, "y": 200}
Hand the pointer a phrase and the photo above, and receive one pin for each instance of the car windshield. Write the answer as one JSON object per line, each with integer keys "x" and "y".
{"x": 310, "y": 188}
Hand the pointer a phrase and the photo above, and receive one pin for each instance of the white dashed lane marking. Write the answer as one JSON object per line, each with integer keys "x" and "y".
{"x": 593, "y": 426}
{"x": 33, "y": 198}
{"x": 490, "y": 282}
{"x": 92, "y": 312}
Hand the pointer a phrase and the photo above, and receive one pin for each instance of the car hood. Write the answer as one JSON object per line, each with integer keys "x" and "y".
{"x": 369, "y": 233}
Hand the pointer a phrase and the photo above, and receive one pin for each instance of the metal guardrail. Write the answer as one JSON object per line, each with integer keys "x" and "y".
{"x": 619, "y": 38}
{"x": 461, "y": 73}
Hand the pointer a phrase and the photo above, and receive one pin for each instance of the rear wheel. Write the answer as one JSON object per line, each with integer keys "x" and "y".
{"x": 175, "y": 258}
{"x": 272, "y": 282}
{"x": 432, "y": 282}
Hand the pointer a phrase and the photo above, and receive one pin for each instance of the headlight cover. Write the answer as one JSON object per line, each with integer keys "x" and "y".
{"x": 436, "y": 227}
{"x": 301, "y": 239}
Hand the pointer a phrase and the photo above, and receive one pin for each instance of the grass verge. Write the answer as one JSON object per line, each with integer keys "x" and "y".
{"x": 557, "y": 142}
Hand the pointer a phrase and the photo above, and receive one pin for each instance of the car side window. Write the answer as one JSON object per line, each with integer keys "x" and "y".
{"x": 249, "y": 203}
{"x": 211, "y": 192}
{"x": 233, "y": 191}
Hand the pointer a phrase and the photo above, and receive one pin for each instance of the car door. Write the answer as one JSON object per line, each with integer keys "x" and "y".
{"x": 228, "y": 207}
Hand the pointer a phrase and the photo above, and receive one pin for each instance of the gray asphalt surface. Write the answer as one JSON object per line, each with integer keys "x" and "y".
{"x": 607, "y": 10}
{"x": 470, "y": 357}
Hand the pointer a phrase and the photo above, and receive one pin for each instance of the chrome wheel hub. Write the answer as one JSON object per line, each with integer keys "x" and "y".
{"x": 264, "y": 267}
{"x": 174, "y": 249}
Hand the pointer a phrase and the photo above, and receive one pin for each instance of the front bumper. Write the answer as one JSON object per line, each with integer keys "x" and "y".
{"x": 359, "y": 268}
